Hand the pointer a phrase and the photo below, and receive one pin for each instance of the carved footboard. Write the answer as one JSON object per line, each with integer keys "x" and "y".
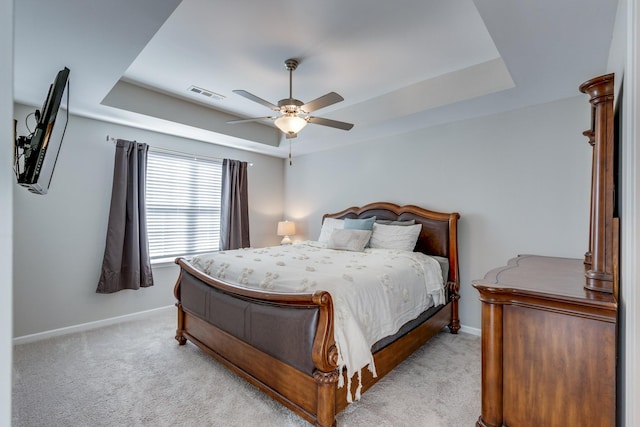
{"x": 294, "y": 362}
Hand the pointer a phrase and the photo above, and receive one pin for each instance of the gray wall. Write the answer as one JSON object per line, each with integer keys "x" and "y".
{"x": 6, "y": 203}
{"x": 623, "y": 60}
{"x": 59, "y": 237}
{"x": 520, "y": 181}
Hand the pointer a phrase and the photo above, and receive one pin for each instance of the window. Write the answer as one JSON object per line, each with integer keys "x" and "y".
{"x": 183, "y": 205}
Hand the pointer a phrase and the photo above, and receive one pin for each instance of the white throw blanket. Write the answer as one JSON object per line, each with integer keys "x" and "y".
{"x": 374, "y": 292}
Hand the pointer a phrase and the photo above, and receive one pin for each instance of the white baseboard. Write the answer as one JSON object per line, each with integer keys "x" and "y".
{"x": 86, "y": 326}
{"x": 25, "y": 339}
{"x": 470, "y": 330}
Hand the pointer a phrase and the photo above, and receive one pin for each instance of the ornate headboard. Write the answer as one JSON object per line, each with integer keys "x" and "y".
{"x": 439, "y": 234}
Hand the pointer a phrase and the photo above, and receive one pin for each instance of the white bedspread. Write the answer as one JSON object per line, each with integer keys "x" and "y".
{"x": 374, "y": 292}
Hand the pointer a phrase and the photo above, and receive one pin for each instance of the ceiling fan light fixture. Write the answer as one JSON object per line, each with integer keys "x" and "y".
{"x": 290, "y": 124}
{"x": 294, "y": 114}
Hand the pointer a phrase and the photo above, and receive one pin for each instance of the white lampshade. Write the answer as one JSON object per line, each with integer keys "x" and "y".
{"x": 290, "y": 123}
{"x": 286, "y": 229}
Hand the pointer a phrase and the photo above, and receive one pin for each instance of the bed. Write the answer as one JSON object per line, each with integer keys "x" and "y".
{"x": 284, "y": 342}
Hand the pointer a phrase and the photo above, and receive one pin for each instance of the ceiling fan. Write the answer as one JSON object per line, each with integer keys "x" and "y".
{"x": 294, "y": 114}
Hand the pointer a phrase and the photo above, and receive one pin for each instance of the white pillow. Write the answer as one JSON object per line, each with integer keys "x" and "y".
{"x": 401, "y": 237}
{"x": 349, "y": 240}
{"x": 328, "y": 226}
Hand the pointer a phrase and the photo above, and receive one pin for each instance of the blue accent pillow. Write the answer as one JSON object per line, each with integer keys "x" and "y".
{"x": 359, "y": 224}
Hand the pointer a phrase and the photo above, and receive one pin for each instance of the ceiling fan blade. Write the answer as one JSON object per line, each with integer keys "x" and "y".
{"x": 324, "y": 101}
{"x": 330, "y": 123}
{"x": 257, "y": 99}
{"x": 255, "y": 119}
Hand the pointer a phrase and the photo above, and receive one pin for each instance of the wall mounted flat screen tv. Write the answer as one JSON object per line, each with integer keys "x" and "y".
{"x": 35, "y": 155}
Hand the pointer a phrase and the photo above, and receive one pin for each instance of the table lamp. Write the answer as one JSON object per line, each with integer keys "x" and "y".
{"x": 286, "y": 229}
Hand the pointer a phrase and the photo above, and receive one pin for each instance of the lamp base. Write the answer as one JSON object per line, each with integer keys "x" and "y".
{"x": 286, "y": 241}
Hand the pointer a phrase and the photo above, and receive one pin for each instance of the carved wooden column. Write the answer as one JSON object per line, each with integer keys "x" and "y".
{"x": 492, "y": 405}
{"x": 590, "y": 135}
{"x": 599, "y": 274}
{"x": 326, "y": 404}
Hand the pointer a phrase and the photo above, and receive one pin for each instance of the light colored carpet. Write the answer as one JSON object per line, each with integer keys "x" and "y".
{"x": 135, "y": 374}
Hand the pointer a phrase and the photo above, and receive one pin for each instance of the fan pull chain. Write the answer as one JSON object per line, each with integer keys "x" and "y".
{"x": 290, "y": 162}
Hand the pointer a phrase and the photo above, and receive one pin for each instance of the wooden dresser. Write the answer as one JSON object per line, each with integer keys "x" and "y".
{"x": 549, "y": 345}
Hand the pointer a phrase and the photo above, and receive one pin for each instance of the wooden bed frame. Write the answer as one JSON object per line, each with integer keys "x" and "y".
{"x": 314, "y": 395}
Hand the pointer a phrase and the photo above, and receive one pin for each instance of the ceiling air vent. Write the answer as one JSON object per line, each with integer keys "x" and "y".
{"x": 208, "y": 94}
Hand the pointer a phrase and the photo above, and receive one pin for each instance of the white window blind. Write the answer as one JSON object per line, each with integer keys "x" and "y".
{"x": 183, "y": 205}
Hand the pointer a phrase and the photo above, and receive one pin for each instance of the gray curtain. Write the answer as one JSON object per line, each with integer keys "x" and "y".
{"x": 126, "y": 263}
{"x": 234, "y": 217}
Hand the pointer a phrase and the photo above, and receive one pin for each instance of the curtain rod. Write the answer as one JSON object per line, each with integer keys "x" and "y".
{"x": 166, "y": 150}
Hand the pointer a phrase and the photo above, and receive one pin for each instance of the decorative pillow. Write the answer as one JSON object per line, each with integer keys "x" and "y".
{"x": 402, "y": 237}
{"x": 328, "y": 226}
{"x": 349, "y": 240}
{"x": 390, "y": 222}
{"x": 359, "y": 224}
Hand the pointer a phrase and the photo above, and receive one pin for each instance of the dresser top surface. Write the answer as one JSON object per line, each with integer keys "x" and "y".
{"x": 543, "y": 277}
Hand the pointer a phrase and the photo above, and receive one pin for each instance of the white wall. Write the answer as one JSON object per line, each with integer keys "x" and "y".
{"x": 6, "y": 211}
{"x": 520, "y": 181}
{"x": 623, "y": 59}
{"x": 59, "y": 237}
